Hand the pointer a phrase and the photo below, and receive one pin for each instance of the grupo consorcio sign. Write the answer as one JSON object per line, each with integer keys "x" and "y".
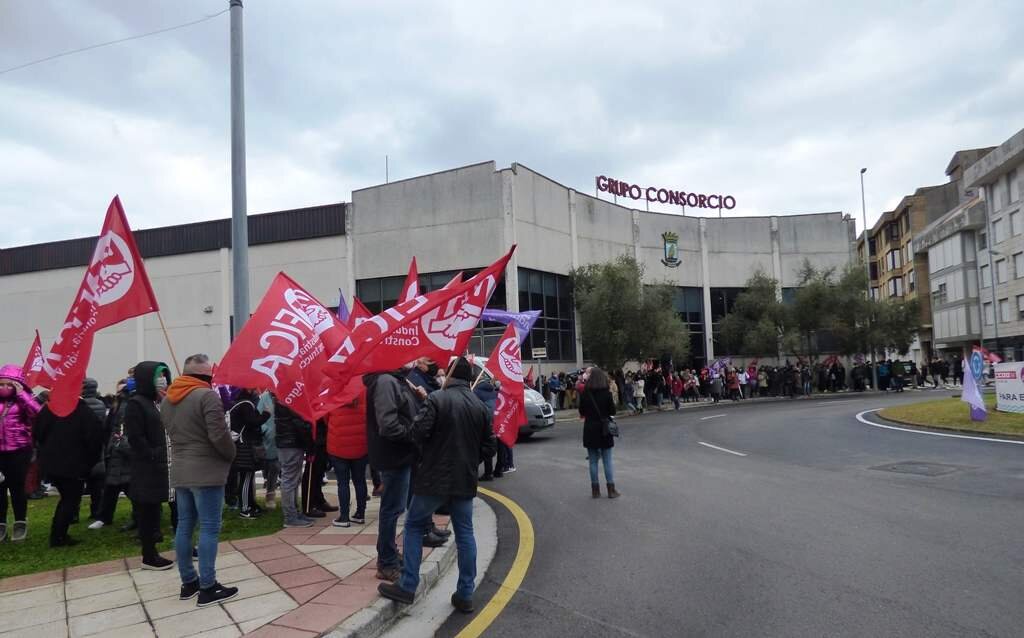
{"x": 618, "y": 187}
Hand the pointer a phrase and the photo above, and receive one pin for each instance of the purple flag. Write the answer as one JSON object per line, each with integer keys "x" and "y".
{"x": 342, "y": 308}
{"x": 523, "y": 320}
{"x": 972, "y": 395}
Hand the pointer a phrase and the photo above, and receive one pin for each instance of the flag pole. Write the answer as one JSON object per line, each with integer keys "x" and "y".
{"x": 167, "y": 337}
{"x": 478, "y": 377}
{"x": 448, "y": 372}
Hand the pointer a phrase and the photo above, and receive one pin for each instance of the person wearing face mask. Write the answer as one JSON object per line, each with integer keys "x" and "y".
{"x": 18, "y": 412}
{"x": 69, "y": 447}
{"x": 425, "y": 380}
{"x": 148, "y": 442}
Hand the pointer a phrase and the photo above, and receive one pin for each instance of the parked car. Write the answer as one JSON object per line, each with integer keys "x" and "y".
{"x": 540, "y": 415}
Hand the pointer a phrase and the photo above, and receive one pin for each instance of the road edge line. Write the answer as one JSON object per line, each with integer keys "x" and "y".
{"x": 860, "y": 417}
{"x": 516, "y": 573}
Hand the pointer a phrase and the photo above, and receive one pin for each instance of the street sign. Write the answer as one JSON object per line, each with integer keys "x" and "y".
{"x": 539, "y": 353}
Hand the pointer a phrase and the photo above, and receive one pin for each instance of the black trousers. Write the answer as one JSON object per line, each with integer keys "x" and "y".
{"x": 246, "y": 489}
{"x": 14, "y": 466}
{"x": 312, "y": 487}
{"x": 94, "y": 488}
{"x": 70, "y": 500}
{"x": 108, "y": 506}
{"x": 149, "y": 527}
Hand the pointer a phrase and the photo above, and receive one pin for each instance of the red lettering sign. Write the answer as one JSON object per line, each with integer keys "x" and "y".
{"x": 619, "y": 188}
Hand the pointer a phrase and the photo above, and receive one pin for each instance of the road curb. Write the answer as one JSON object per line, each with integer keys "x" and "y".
{"x": 939, "y": 429}
{"x": 372, "y": 621}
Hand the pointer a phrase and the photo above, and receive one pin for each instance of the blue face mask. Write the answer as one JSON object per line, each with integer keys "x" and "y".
{"x": 129, "y": 384}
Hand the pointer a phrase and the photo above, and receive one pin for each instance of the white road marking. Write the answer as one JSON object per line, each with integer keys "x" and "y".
{"x": 833, "y": 402}
{"x": 713, "y": 416}
{"x": 860, "y": 417}
{"x": 720, "y": 449}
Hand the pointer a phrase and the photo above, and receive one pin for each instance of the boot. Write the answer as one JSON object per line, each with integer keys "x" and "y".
{"x": 595, "y": 490}
{"x": 612, "y": 492}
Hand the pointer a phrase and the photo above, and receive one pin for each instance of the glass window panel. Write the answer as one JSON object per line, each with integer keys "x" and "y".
{"x": 535, "y": 282}
{"x": 567, "y": 346}
{"x": 524, "y": 300}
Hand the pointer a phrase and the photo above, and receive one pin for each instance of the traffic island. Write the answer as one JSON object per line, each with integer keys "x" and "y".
{"x": 954, "y": 414}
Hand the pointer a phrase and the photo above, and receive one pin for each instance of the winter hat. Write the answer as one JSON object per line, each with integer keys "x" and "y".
{"x": 12, "y": 372}
{"x": 463, "y": 370}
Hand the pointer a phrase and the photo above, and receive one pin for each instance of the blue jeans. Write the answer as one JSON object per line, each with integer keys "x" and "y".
{"x": 605, "y": 455}
{"x": 392, "y": 504}
{"x": 416, "y": 525}
{"x": 204, "y": 504}
{"x": 354, "y": 470}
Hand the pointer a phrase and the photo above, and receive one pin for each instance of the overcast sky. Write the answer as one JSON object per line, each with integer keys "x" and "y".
{"x": 778, "y": 104}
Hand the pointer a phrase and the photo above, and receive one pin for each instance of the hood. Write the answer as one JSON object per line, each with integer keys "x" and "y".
{"x": 13, "y": 373}
{"x": 146, "y": 373}
{"x": 90, "y": 388}
{"x": 183, "y": 386}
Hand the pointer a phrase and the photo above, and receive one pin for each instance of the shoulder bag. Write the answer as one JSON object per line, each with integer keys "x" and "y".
{"x": 608, "y": 425}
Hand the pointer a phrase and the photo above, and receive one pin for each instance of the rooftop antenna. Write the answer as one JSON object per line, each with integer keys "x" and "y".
{"x": 387, "y": 171}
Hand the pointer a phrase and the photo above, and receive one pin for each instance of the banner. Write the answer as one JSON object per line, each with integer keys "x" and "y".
{"x": 523, "y": 321}
{"x": 411, "y": 287}
{"x": 1010, "y": 387}
{"x": 506, "y": 366}
{"x": 284, "y": 346}
{"x": 358, "y": 314}
{"x": 33, "y": 370}
{"x": 115, "y": 288}
{"x": 971, "y": 394}
{"x": 343, "y": 312}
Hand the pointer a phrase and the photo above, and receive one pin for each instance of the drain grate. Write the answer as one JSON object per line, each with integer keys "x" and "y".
{"x": 919, "y": 468}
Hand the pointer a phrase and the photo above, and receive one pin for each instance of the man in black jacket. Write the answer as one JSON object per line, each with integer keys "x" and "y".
{"x": 94, "y": 486}
{"x": 390, "y": 408}
{"x": 294, "y": 438}
{"x": 454, "y": 432}
{"x": 423, "y": 377}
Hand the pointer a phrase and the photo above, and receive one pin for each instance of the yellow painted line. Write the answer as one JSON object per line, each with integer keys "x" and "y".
{"x": 515, "y": 575}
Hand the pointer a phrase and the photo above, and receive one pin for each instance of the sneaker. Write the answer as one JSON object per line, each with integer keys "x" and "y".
{"x": 510, "y": 469}
{"x": 359, "y": 518}
{"x": 298, "y": 522}
{"x": 20, "y": 531}
{"x": 315, "y": 513}
{"x": 341, "y": 522}
{"x": 443, "y": 533}
{"x": 189, "y": 590}
{"x": 389, "y": 573}
{"x": 433, "y": 540}
{"x": 464, "y": 605}
{"x": 157, "y": 564}
{"x": 96, "y": 525}
{"x": 215, "y": 595}
{"x": 396, "y": 593}
{"x": 249, "y": 514}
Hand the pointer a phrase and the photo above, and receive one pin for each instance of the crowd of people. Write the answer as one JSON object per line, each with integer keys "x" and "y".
{"x": 415, "y": 435}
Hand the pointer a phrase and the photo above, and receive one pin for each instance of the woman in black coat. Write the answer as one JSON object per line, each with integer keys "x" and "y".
{"x": 596, "y": 407}
{"x": 247, "y": 424}
{"x": 148, "y": 441}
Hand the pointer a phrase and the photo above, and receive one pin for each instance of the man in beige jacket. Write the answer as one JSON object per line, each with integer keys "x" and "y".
{"x": 201, "y": 455}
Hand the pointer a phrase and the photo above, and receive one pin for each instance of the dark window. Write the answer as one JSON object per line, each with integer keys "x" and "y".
{"x": 552, "y": 295}
{"x": 689, "y": 303}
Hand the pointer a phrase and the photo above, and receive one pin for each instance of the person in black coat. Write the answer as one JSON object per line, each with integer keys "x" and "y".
{"x": 69, "y": 447}
{"x": 488, "y": 394}
{"x": 90, "y": 394}
{"x": 247, "y": 424}
{"x": 150, "y": 482}
{"x": 596, "y": 407}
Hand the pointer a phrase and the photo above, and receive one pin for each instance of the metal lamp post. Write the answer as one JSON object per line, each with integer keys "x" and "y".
{"x": 239, "y": 215}
{"x": 867, "y": 271}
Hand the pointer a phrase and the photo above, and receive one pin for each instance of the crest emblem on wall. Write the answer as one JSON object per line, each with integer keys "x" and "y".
{"x": 670, "y": 249}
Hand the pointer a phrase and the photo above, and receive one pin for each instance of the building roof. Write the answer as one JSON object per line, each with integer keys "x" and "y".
{"x": 266, "y": 228}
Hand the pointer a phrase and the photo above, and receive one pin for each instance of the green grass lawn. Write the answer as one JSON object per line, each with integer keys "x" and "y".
{"x": 35, "y": 555}
{"x": 954, "y": 414}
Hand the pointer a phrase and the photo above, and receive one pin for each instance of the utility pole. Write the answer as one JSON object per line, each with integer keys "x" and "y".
{"x": 867, "y": 271}
{"x": 239, "y": 212}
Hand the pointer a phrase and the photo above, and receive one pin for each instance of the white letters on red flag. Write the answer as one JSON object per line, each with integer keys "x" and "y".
{"x": 411, "y": 288}
{"x": 115, "y": 288}
{"x": 33, "y": 370}
{"x": 284, "y": 346}
{"x": 506, "y": 366}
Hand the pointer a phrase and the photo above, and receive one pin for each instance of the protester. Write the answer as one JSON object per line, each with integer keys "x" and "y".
{"x": 293, "y": 438}
{"x": 425, "y": 377}
{"x": 148, "y": 440}
{"x": 246, "y": 427}
{"x": 454, "y": 432}
{"x": 68, "y": 449}
{"x": 596, "y": 408}
{"x": 488, "y": 395}
{"x": 389, "y": 413}
{"x": 314, "y": 505}
{"x": 201, "y": 455}
{"x": 18, "y": 412}
{"x": 348, "y": 454}
{"x": 271, "y": 467}
{"x": 117, "y": 458}
{"x": 97, "y": 479}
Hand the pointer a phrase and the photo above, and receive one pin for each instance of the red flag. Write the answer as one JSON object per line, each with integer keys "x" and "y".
{"x": 33, "y": 370}
{"x": 411, "y": 288}
{"x": 506, "y": 366}
{"x": 284, "y": 346}
{"x": 115, "y": 288}
{"x": 358, "y": 314}
{"x": 529, "y": 378}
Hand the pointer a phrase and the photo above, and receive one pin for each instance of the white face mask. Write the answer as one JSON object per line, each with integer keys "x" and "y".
{"x": 161, "y": 385}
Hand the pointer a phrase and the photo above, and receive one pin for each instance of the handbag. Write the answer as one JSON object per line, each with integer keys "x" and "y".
{"x": 608, "y": 425}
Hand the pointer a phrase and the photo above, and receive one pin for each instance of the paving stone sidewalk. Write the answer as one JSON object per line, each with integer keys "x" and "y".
{"x": 295, "y": 583}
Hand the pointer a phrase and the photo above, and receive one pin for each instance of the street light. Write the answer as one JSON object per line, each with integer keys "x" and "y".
{"x": 867, "y": 271}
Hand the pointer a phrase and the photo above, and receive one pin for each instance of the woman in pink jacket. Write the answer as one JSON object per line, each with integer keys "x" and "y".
{"x": 18, "y": 412}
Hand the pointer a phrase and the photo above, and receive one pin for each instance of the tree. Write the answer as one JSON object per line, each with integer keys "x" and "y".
{"x": 756, "y": 323}
{"x": 621, "y": 319}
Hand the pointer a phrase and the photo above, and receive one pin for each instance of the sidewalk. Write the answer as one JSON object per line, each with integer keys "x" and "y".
{"x": 292, "y": 584}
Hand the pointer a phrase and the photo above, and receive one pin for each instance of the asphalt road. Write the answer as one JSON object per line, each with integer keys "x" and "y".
{"x": 807, "y": 535}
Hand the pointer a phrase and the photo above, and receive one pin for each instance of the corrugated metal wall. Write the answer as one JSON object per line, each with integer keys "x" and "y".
{"x": 268, "y": 228}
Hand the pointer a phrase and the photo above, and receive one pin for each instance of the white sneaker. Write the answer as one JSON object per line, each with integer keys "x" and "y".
{"x": 96, "y": 525}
